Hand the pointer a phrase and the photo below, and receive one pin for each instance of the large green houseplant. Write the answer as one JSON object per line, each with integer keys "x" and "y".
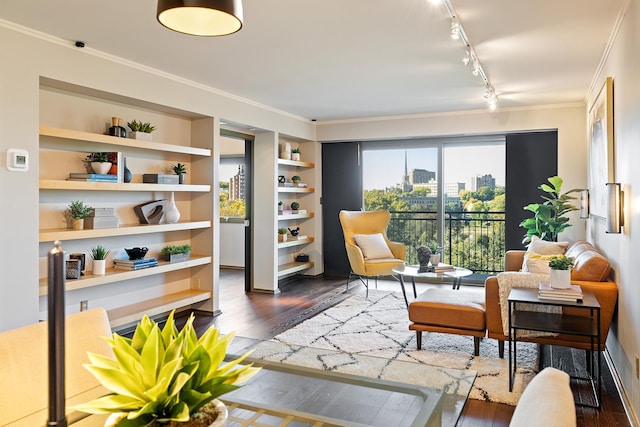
{"x": 549, "y": 218}
{"x": 164, "y": 376}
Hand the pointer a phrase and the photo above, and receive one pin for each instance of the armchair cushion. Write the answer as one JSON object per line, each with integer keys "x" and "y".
{"x": 373, "y": 246}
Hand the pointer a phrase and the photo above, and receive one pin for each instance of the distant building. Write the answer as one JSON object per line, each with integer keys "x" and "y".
{"x": 236, "y": 185}
{"x": 475, "y": 182}
{"x": 451, "y": 189}
{"x": 421, "y": 176}
{"x": 406, "y": 184}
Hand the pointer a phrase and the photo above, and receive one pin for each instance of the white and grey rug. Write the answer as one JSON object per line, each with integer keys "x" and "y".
{"x": 378, "y": 326}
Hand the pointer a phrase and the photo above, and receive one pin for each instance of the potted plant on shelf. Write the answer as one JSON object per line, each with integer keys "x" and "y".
{"x": 75, "y": 214}
{"x": 282, "y": 234}
{"x": 99, "y": 254}
{"x": 180, "y": 170}
{"x": 549, "y": 218}
{"x": 560, "y": 271}
{"x": 295, "y": 206}
{"x": 280, "y": 206}
{"x": 140, "y": 130}
{"x": 173, "y": 253}
{"x": 295, "y": 154}
{"x": 166, "y": 376}
{"x": 296, "y": 180}
{"x": 99, "y": 162}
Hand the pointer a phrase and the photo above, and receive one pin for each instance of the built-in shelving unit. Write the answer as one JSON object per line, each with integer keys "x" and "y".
{"x": 128, "y": 295}
{"x": 288, "y": 249}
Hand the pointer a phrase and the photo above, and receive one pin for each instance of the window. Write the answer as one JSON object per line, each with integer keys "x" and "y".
{"x": 232, "y": 187}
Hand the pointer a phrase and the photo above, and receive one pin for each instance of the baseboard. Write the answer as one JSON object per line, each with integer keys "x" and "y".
{"x": 624, "y": 398}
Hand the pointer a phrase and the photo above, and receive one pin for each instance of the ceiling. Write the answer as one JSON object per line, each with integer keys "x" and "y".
{"x": 345, "y": 59}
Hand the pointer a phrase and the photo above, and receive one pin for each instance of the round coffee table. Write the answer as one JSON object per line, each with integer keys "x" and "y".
{"x": 413, "y": 271}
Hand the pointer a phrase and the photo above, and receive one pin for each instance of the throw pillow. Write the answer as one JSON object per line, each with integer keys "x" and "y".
{"x": 544, "y": 247}
{"x": 373, "y": 246}
{"x": 536, "y": 263}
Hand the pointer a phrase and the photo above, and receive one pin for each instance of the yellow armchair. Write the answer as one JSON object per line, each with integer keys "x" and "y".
{"x": 370, "y": 252}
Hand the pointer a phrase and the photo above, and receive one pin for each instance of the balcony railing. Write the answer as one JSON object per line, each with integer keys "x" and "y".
{"x": 474, "y": 240}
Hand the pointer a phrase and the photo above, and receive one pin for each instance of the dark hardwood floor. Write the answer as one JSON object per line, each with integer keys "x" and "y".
{"x": 262, "y": 316}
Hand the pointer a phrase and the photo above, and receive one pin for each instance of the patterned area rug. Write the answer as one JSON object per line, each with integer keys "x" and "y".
{"x": 378, "y": 326}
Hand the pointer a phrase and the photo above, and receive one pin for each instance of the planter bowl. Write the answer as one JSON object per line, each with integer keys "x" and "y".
{"x": 177, "y": 257}
{"x": 136, "y": 253}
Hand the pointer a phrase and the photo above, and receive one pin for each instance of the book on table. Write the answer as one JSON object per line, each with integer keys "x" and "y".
{"x": 442, "y": 268}
{"x": 572, "y": 293}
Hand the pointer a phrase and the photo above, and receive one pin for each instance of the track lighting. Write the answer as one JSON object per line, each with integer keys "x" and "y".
{"x": 467, "y": 57}
{"x": 455, "y": 30}
{"x": 476, "y": 68}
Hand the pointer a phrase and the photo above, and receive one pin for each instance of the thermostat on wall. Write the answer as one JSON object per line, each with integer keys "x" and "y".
{"x": 17, "y": 160}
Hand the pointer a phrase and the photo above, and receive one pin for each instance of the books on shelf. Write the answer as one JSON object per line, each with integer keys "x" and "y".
{"x": 137, "y": 264}
{"x": 94, "y": 179}
{"x": 93, "y": 176}
{"x": 573, "y": 293}
{"x": 95, "y": 222}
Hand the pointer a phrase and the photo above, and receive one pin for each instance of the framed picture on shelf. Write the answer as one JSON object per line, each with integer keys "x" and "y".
{"x": 601, "y": 149}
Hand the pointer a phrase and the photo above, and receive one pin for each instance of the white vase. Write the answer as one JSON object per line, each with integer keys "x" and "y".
{"x": 101, "y": 167}
{"x": 560, "y": 279}
{"x": 295, "y": 156}
{"x": 171, "y": 214}
{"x": 99, "y": 266}
{"x": 435, "y": 259}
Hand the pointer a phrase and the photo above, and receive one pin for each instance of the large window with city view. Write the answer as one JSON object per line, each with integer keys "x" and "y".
{"x": 232, "y": 187}
{"x": 447, "y": 194}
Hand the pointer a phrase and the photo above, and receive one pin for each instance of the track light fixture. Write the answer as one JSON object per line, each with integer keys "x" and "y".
{"x": 201, "y": 17}
{"x": 458, "y": 33}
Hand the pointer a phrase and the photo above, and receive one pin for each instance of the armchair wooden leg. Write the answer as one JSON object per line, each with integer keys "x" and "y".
{"x": 501, "y": 349}
{"x": 476, "y": 346}
{"x": 419, "y": 339}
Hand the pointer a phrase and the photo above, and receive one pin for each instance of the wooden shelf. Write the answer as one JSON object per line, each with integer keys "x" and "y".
{"x": 50, "y": 235}
{"x": 295, "y": 190}
{"x": 296, "y": 163}
{"x": 113, "y": 275}
{"x": 52, "y": 184}
{"x": 74, "y": 135}
{"x": 132, "y": 313}
{"x": 293, "y": 267}
{"x": 290, "y": 243}
{"x": 295, "y": 216}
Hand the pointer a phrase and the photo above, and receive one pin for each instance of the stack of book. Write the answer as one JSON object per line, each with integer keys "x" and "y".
{"x": 573, "y": 293}
{"x": 136, "y": 264}
{"x": 101, "y": 218}
{"x": 443, "y": 268}
{"x": 92, "y": 177}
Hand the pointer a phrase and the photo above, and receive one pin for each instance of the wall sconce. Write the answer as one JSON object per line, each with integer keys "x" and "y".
{"x": 615, "y": 217}
{"x": 584, "y": 204}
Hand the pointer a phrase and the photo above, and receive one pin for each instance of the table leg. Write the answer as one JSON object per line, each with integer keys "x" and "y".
{"x": 413, "y": 282}
{"x": 456, "y": 283}
{"x": 510, "y": 363}
{"x": 404, "y": 292}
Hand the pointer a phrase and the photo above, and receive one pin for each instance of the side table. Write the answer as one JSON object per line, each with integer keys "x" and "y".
{"x": 588, "y": 326}
{"x": 413, "y": 271}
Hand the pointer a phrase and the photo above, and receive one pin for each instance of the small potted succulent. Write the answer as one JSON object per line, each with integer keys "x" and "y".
{"x": 560, "y": 271}
{"x": 295, "y": 206}
{"x": 140, "y": 130}
{"x": 296, "y": 180}
{"x": 180, "y": 170}
{"x": 280, "y": 207}
{"x": 295, "y": 154}
{"x": 173, "y": 253}
{"x": 99, "y": 254}
{"x": 166, "y": 376}
{"x": 436, "y": 252}
{"x": 282, "y": 234}
{"x": 99, "y": 162}
{"x": 75, "y": 214}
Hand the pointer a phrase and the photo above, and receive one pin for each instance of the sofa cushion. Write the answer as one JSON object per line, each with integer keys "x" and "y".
{"x": 590, "y": 265}
{"x": 373, "y": 246}
{"x": 544, "y": 247}
{"x": 536, "y": 263}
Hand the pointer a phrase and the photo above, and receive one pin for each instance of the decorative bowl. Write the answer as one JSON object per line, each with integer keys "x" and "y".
{"x": 136, "y": 253}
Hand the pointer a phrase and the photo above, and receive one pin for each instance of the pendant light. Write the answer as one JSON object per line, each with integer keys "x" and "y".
{"x": 201, "y": 17}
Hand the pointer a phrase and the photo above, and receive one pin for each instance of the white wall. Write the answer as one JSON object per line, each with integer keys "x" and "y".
{"x": 623, "y": 64}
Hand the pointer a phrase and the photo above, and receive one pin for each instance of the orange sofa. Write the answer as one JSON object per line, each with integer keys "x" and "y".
{"x": 591, "y": 271}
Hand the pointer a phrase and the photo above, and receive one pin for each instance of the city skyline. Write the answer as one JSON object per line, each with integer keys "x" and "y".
{"x": 385, "y": 168}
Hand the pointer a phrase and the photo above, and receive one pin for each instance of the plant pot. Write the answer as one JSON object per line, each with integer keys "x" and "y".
{"x": 214, "y": 410}
{"x": 181, "y": 178}
{"x": 98, "y": 267}
{"x": 282, "y": 237}
{"x": 435, "y": 259}
{"x": 177, "y": 257}
{"x": 101, "y": 167}
{"x": 295, "y": 156}
{"x": 140, "y": 135}
{"x": 77, "y": 224}
{"x": 560, "y": 279}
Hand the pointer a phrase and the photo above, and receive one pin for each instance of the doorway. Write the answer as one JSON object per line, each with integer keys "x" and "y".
{"x": 234, "y": 176}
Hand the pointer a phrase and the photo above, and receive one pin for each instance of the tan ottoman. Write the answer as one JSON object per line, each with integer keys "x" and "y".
{"x": 449, "y": 311}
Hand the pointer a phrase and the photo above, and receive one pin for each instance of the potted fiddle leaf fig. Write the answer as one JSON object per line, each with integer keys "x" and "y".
{"x": 166, "y": 377}
{"x": 549, "y": 218}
